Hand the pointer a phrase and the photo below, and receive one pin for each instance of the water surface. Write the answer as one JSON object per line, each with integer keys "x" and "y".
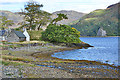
{"x": 105, "y": 50}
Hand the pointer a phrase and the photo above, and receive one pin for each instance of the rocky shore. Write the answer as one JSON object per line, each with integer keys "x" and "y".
{"x": 35, "y": 61}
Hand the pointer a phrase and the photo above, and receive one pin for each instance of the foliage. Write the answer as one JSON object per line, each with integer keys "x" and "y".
{"x": 59, "y": 18}
{"x": 62, "y": 33}
{"x": 89, "y": 24}
{"x": 42, "y": 19}
{"x": 34, "y": 16}
{"x": 4, "y": 22}
{"x": 31, "y": 10}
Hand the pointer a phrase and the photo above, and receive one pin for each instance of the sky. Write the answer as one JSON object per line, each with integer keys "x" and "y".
{"x": 84, "y": 6}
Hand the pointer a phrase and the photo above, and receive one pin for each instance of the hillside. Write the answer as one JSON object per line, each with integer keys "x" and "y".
{"x": 73, "y": 16}
{"x": 17, "y": 18}
{"x": 107, "y": 19}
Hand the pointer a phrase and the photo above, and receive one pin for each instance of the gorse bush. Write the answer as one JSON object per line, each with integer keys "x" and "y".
{"x": 62, "y": 33}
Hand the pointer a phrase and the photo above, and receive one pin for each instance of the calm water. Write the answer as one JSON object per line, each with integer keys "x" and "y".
{"x": 105, "y": 50}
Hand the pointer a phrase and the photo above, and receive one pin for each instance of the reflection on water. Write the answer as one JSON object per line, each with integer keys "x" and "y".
{"x": 105, "y": 50}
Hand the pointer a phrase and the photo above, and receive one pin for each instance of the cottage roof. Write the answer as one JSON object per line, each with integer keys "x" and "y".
{"x": 19, "y": 34}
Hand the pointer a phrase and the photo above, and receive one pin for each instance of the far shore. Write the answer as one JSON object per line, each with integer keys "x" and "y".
{"x": 99, "y": 36}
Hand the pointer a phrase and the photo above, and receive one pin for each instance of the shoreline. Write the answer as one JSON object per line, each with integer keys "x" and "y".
{"x": 41, "y": 55}
{"x": 69, "y": 49}
{"x": 100, "y": 63}
{"x": 93, "y": 63}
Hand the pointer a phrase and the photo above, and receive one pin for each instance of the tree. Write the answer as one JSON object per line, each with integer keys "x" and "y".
{"x": 59, "y": 18}
{"x": 62, "y": 33}
{"x": 4, "y": 22}
{"x": 31, "y": 10}
{"x": 42, "y": 19}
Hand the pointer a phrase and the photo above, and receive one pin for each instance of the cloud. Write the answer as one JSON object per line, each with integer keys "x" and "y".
{"x": 12, "y": 1}
{"x": 55, "y": 5}
{"x": 78, "y": 5}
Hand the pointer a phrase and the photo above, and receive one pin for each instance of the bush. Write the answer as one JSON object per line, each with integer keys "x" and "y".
{"x": 62, "y": 33}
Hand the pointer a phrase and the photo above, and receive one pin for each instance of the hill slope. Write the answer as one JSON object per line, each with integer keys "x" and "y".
{"x": 73, "y": 16}
{"x": 12, "y": 16}
{"x": 107, "y": 19}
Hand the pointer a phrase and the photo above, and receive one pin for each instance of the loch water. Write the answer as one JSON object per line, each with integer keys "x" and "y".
{"x": 105, "y": 50}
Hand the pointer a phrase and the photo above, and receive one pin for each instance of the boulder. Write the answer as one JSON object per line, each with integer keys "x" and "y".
{"x": 74, "y": 45}
{"x": 101, "y": 32}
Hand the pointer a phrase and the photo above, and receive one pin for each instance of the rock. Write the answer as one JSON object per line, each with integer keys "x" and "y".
{"x": 74, "y": 45}
{"x": 107, "y": 61}
{"x": 9, "y": 54}
{"x": 80, "y": 45}
{"x": 101, "y": 32}
{"x": 49, "y": 44}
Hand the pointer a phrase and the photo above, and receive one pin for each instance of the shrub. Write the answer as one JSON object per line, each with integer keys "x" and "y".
{"x": 62, "y": 33}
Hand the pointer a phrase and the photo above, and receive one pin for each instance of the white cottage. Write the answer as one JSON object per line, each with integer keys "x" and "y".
{"x": 26, "y": 35}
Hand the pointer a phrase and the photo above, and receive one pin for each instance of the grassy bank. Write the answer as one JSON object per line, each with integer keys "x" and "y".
{"x": 35, "y": 35}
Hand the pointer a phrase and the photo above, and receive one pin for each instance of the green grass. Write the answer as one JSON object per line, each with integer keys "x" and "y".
{"x": 35, "y": 35}
{"x": 18, "y": 44}
{"x": 10, "y": 46}
{"x": 4, "y": 62}
{"x": 89, "y": 19}
{"x": 74, "y": 22}
{"x": 99, "y": 12}
{"x": 5, "y": 42}
{"x": 14, "y": 58}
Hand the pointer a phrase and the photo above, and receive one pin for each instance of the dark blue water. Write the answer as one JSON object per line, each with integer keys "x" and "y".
{"x": 105, "y": 50}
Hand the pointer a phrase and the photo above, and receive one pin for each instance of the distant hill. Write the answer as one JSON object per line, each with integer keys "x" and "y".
{"x": 17, "y": 18}
{"x": 73, "y": 16}
{"x": 107, "y": 19}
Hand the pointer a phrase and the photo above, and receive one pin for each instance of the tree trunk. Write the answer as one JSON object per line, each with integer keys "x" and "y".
{"x": 36, "y": 28}
{"x": 39, "y": 27}
{"x": 30, "y": 25}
